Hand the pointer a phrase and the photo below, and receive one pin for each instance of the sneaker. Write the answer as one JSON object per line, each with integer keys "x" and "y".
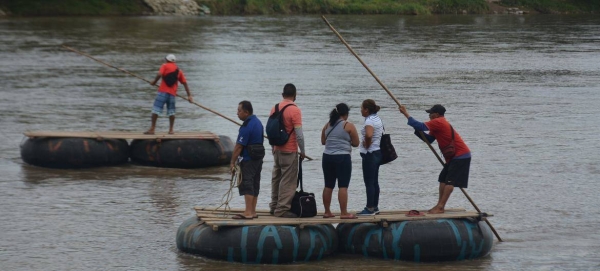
{"x": 376, "y": 210}
{"x": 366, "y": 211}
{"x": 289, "y": 215}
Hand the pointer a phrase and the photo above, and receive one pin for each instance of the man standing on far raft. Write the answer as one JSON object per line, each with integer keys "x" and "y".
{"x": 285, "y": 165}
{"x": 455, "y": 151}
{"x": 249, "y": 147}
{"x": 167, "y": 92}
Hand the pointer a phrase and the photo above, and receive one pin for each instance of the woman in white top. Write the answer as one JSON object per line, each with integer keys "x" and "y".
{"x": 338, "y": 136}
{"x": 371, "y": 154}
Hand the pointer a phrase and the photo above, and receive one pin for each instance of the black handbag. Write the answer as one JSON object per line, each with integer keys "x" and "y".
{"x": 304, "y": 204}
{"x": 388, "y": 152}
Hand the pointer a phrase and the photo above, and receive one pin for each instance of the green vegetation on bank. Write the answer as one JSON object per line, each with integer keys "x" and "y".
{"x": 260, "y": 7}
{"x": 264, "y": 7}
{"x": 73, "y": 7}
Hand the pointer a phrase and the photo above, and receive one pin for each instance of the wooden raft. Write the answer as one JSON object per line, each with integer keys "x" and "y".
{"x": 222, "y": 218}
{"x": 124, "y": 135}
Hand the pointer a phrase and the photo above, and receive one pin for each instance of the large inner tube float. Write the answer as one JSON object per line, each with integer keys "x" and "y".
{"x": 418, "y": 240}
{"x": 264, "y": 244}
{"x": 74, "y": 152}
{"x": 182, "y": 153}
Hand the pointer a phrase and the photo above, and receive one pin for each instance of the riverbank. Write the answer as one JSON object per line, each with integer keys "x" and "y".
{"x": 74, "y": 7}
{"x": 270, "y": 7}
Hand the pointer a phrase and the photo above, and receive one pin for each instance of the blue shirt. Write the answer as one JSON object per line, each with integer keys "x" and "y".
{"x": 419, "y": 126}
{"x": 251, "y": 132}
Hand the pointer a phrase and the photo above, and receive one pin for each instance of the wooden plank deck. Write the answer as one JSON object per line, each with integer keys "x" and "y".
{"x": 221, "y": 218}
{"x": 124, "y": 135}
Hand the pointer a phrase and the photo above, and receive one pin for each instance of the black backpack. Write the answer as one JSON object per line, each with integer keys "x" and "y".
{"x": 275, "y": 129}
{"x": 171, "y": 78}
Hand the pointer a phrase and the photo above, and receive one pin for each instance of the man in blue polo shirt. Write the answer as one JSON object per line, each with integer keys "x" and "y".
{"x": 249, "y": 150}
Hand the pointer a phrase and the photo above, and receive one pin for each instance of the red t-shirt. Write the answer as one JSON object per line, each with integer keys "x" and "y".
{"x": 440, "y": 129}
{"x": 292, "y": 117}
{"x": 165, "y": 69}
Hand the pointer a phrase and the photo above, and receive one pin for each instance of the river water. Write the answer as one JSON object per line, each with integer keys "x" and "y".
{"x": 523, "y": 91}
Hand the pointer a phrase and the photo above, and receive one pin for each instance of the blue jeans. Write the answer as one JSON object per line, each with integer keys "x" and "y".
{"x": 370, "y": 167}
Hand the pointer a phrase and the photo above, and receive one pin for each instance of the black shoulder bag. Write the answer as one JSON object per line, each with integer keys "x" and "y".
{"x": 171, "y": 78}
{"x": 304, "y": 203}
{"x": 388, "y": 152}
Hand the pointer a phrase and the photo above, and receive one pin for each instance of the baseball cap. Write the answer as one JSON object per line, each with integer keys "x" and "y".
{"x": 170, "y": 57}
{"x": 438, "y": 108}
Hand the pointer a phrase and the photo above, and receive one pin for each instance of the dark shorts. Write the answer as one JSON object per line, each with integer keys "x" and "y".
{"x": 337, "y": 167}
{"x": 250, "y": 177}
{"x": 456, "y": 173}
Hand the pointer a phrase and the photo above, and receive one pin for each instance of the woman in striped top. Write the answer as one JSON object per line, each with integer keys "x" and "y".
{"x": 371, "y": 154}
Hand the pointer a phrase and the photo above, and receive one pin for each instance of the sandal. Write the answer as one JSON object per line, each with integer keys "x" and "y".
{"x": 240, "y": 216}
{"x": 328, "y": 216}
{"x": 414, "y": 213}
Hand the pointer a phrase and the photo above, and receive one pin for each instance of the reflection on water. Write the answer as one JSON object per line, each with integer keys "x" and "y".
{"x": 522, "y": 91}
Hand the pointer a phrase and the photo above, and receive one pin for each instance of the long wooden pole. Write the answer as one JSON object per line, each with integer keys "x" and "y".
{"x": 398, "y": 103}
{"x": 148, "y": 81}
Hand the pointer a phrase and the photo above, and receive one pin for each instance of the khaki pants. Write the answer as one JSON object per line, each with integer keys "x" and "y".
{"x": 284, "y": 181}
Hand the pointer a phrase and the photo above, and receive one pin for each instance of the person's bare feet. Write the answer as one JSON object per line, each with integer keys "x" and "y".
{"x": 436, "y": 210}
{"x": 328, "y": 215}
{"x": 149, "y": 132}
{"x": 348, "y": 216}
{"x": 171, "y": 132}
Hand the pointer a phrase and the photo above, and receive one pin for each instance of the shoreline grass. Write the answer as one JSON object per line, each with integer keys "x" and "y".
{"x": 406, "y": 7}
{"x": 285, "y": 7}
{"x": 74, "y": 7}
{"x": 556, "y": 6}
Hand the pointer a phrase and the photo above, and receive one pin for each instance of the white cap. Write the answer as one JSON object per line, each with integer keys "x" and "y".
{"x": 170, "y": 57}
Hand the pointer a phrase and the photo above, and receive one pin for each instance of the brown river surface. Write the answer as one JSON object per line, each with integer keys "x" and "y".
{"x": 523, "y": 91}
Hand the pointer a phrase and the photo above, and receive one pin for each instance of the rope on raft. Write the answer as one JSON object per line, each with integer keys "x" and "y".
{"x": 235, "y": 181}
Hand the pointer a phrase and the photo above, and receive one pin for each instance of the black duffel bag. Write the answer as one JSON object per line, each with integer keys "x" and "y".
{"x": 304, "y": 204}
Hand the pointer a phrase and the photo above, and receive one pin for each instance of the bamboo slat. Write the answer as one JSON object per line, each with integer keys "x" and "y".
{"x": 222, "y": 218}
{"x": 201, "y": 211}
{"x": 124, "y": 135}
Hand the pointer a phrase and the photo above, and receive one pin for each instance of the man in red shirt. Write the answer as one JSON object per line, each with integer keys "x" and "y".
{"x": 171, "y": 75}
{"x": 454, "y": 149}
{"x": 284, "y": 177}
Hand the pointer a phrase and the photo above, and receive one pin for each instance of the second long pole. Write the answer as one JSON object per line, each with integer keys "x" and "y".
{"x": 398, "y": 103}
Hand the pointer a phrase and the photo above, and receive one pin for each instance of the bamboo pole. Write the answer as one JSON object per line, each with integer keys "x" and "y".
{"x": 398, "y": 103}
{"x": 148, "y": 81}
